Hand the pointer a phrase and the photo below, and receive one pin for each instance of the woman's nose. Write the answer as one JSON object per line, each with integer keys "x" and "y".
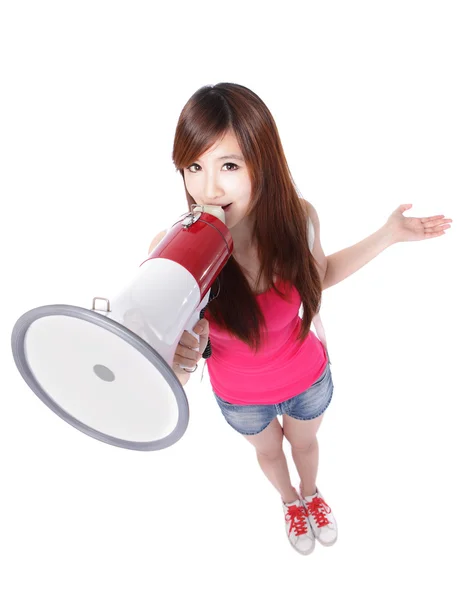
{"x": 212, "y": 188}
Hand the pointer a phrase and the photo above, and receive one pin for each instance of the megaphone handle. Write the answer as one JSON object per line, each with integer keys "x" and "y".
{"x": 193, "y": 321}
{"x": 197, "y": 337}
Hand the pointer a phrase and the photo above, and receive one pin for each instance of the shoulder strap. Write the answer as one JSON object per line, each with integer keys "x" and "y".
{"x": 317, "y": 322}
{"x": 311, "y": 234}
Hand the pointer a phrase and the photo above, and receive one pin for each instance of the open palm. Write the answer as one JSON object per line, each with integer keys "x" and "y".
{"x": 414, "y": 229}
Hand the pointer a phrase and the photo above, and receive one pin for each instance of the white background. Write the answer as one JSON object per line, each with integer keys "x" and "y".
{"x": 372, "y": 102}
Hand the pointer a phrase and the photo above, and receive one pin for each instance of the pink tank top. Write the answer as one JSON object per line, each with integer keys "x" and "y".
{"x": 283, "y": 367}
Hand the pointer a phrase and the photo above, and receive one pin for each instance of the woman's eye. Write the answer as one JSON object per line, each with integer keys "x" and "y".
{"x": 195, "y": 165}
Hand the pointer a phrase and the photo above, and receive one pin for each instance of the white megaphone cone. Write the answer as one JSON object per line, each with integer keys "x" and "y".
{"x": 109, "y": 372}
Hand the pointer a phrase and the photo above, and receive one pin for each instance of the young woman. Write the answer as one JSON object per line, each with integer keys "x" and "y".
{"x": 265, "y": 360}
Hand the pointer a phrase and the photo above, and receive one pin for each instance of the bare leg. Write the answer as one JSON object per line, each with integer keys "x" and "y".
{"x": 271, "y": 458}
{"x": 276, "y": 470}
{"x": 306, "y": 462}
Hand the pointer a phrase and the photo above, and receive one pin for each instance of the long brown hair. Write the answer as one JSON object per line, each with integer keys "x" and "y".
{"x": 279, "y": 215}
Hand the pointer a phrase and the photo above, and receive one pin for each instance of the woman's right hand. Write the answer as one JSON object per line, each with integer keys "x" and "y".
{"x": 189, "y": 350}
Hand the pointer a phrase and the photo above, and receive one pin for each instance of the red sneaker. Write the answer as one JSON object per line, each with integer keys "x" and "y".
{"x": 299, "y": 532}
{"x": 321, "y": 519}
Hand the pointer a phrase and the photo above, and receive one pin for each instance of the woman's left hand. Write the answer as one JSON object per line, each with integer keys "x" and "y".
{"x": 414, "y": 229}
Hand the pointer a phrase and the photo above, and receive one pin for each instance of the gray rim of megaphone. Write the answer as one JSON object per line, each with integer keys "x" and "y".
{"x": 18, "y": 348}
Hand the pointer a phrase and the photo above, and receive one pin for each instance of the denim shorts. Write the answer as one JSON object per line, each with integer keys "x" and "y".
{"x": 254, "y": 418}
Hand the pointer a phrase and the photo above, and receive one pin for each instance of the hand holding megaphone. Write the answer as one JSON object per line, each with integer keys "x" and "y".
{"x": 189, "y": 350}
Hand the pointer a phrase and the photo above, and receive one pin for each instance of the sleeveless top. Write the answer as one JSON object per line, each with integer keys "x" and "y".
{"x": 283, "y": 368}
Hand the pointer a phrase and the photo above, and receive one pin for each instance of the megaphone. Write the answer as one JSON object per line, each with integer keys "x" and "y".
{"x": 108, "y": 373}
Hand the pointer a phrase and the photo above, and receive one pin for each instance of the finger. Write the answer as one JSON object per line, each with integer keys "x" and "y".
{"x": 203, "y": 343}
{"x": 202, "y": 330}
{"x": 203, "y": 326}
{"x": 190, "y": 341}
{"x": 426, "y": 219}
{"x": 433, "y": 235}
{"x": 199, "y": 326}
{"x": 188, "y": 360}
{"x": 437, "y": 226}
{"x": 199, "y": 343}
{"x": 186, "y": 352}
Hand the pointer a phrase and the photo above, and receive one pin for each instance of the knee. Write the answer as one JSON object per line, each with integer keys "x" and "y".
{"x": 272, "y": 454}
{"x": 307, "y": 447}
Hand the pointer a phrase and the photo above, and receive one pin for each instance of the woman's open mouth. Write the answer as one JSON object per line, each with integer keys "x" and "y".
{"x": 225, "y": 208}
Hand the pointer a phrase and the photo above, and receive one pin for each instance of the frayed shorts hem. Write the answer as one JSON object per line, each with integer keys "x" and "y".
{"x": 306, "y": 406}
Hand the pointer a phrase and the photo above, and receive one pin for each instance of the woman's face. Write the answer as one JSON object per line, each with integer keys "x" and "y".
{"x": 216, "y": 179}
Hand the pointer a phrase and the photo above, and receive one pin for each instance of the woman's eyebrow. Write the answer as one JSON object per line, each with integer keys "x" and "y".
{"x": 236, "y": 156}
